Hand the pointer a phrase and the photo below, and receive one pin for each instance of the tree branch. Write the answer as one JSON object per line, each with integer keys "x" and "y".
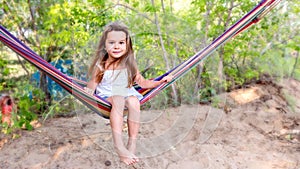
{"x": 161, "y": 39}
{"x": 139, "y": 13}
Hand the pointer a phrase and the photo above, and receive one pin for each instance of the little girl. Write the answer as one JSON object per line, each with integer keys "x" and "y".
{"x": 113, "y": 74}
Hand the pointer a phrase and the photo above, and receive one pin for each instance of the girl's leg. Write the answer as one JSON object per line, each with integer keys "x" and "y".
{"x": 133, "y": 121}
{"x": 116, "y": 122}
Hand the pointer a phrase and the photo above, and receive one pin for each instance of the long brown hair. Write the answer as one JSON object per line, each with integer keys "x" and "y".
{"x": 99, "y": 65}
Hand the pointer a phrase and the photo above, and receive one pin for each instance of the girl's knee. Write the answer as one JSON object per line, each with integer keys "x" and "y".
{"x": 132, "y": 101}
{"x": 117, "y": 103}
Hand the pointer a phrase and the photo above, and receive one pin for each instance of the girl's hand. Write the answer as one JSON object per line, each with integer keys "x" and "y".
{"x": 88, "y": 90}
{"x": 167, "y": 78}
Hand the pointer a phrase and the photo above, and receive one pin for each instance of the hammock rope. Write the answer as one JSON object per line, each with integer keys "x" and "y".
{"x": 100, "y": 105}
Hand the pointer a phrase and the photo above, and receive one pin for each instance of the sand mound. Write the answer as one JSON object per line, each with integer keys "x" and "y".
{"x": 254, "y": 128}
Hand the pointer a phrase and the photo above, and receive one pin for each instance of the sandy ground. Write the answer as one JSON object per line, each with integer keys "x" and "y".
{"x": 253, "y": 128}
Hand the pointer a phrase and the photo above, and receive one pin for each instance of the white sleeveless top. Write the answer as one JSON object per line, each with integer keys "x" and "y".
{"x": 115, "y": 82}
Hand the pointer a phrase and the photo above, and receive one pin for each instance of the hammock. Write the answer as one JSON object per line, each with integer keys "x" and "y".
{"x": 100, "y": 105}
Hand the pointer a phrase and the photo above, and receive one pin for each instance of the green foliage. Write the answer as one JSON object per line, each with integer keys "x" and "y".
{"x": 63, "y": 107}
{"x": 4, "y": 70}
{"x": 162, "y": 101}
{"x": 26, "y": 108}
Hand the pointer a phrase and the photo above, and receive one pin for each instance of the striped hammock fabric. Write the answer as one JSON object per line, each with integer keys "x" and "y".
{"x": 101, "y": 106}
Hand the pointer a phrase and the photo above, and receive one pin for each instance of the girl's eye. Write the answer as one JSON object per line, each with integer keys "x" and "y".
{"x": 111, "y": 43}
{"x": 122, "y": 43}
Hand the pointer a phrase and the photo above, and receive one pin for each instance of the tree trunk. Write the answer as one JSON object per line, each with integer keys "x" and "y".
{"x": 165, "y": 54}
{"x": 204, "y": 43}
{"x": 43, "y": 85}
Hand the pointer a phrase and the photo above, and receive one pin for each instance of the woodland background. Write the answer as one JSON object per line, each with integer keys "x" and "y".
{"x": 164, "y": 33}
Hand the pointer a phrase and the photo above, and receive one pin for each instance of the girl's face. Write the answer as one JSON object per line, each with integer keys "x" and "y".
{"x": 115, "y": 44}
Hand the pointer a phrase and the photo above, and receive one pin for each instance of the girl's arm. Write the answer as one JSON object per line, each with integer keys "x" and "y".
{"x": 144, "y": 83}
{"x": 91, "y": 85}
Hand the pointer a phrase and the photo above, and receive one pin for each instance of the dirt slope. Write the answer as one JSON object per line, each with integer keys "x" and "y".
{"x": 256, "y": 128}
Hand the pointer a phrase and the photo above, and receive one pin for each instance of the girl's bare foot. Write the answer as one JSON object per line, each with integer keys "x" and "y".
{"x": 126, "y": 156}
